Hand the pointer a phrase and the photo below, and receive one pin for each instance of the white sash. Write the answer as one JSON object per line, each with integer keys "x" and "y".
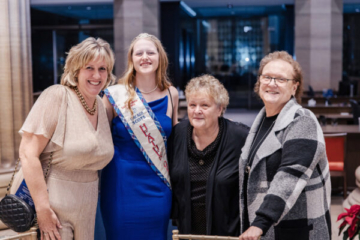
{"x": 143, "y": 127}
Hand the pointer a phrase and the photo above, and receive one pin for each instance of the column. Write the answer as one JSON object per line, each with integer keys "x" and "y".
{"x": 15, "y": 76}
{"x": 318, "y": 42}
{"x": 132, "y": 17}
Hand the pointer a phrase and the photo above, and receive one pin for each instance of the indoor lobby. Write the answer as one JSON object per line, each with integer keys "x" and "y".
{"x": 226, "y": 39}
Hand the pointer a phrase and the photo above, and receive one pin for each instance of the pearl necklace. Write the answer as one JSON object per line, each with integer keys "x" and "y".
{"x": 83, "y": 102}
{"x": 149, "y": 91}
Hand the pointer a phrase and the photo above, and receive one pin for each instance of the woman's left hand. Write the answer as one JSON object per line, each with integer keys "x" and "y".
{"x": 253, "y": 233}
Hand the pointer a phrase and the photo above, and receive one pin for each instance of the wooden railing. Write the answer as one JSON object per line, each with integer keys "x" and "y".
{"x": 177, "y": 236}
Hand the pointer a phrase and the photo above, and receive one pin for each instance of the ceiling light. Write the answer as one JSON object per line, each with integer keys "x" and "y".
{"x": 247, "y": 28}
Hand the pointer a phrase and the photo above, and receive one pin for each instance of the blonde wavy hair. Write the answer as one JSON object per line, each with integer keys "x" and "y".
{"x": 129, "y": 76}
{"x": 82, "y": 54}
{"x": 282, "y": 55}
{"x": 212, "y": 87}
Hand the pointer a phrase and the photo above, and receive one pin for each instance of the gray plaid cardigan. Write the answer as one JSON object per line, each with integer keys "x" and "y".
{"x": 289, "y": 191}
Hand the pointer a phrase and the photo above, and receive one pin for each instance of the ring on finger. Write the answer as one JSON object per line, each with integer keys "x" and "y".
{"x": 45, "y": 233}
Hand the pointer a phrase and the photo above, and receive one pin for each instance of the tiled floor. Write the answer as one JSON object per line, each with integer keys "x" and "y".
{"x": 336, "y": 209}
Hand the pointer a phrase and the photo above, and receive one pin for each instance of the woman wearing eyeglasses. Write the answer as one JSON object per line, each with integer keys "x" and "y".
{"x": 284, "y": 173}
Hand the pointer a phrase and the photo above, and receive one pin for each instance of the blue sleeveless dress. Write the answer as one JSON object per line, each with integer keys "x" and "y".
{"x": 135, "y": 203}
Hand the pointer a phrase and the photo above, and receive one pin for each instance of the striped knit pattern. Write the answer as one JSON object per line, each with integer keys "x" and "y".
{"x": 289, "y": 187}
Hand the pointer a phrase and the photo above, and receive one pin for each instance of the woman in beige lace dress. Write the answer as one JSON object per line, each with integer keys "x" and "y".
{"x": 69, "y": 120}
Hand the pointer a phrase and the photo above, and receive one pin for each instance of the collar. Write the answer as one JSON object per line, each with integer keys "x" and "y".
{"x": 284, "y": 118}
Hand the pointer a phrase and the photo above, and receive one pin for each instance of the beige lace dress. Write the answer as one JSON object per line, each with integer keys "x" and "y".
{"x": 79, "y": 152}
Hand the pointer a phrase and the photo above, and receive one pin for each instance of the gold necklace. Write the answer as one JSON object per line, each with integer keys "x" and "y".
{"x": 149, "y": 91}
{"x": 83, "y": 102}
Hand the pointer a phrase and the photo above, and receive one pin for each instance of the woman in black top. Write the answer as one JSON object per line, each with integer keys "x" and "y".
{"x": 204, "y": 156}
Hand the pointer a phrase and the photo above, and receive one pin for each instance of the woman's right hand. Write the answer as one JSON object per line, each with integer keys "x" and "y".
{"x": 48, "y": 224}
{"x": 253, "y": 233}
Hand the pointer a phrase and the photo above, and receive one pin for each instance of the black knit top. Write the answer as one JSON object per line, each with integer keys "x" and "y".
{"x": 200, "y": 163}
{"x": 264, "y": 129}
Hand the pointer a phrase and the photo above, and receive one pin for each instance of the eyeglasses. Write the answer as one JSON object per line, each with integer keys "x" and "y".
{"x": 278, "y": 81}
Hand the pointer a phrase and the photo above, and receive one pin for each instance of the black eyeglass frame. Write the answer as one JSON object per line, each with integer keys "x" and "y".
{"x": 276, "y": 80}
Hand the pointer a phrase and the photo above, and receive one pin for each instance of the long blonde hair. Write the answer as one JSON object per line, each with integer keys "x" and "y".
{"x": 129, "y": 76}
{"x": 81, "y": 54}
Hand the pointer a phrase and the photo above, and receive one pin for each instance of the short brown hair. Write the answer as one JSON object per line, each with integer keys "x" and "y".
{"x": 82, "y": 54}
{"x": 212, "y": 87}
{"x": 282, "y": 55}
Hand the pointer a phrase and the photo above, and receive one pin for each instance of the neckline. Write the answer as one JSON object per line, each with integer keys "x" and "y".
{"x": 272, "y": 118}
{"x": 83, "y": 113}
{"x": 208, "y": 149}
{"x": 157, "y": 100}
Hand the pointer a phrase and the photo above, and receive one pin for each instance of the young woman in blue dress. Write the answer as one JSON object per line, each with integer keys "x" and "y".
{"x": 135, "y": 196}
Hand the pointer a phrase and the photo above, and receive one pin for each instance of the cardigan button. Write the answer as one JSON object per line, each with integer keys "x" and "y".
{"x": 201, "y": 162}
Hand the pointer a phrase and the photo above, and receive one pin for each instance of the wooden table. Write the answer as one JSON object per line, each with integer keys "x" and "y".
{"x": 332, "y": 109}
{"x": 352, "y": 149}
{"x": 338, "y": 118}
{"x": 350, "y": 129}
{"x": 333, "y": 100}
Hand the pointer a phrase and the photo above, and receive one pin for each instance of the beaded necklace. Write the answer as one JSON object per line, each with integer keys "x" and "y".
{"x": 83, "y": 102}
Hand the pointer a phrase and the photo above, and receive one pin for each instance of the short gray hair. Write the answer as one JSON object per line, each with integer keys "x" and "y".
{"x": 212, "y": 86}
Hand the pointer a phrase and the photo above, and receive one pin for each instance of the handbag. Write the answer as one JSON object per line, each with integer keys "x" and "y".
{"x": 15, "y": 212}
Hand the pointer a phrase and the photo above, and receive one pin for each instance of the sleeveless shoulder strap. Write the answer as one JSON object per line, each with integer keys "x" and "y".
{"x": 143, "y": 127}
{"x": 172, "y": 105}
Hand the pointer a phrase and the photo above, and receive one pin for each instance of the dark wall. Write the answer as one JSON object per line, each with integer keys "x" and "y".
{"x": 289, "y": 37}
{"x": 351, "y": 45}
{"x": 170, "y": 36}
{"x": 178, "y": 36}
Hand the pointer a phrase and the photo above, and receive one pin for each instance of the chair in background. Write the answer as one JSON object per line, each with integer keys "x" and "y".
{"x": 336, "y": 154}
{"x": 177, "y": 236}
{"x": 355, "y": 110}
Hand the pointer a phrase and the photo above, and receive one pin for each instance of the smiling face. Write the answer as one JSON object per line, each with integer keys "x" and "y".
{"x": 275, "y": 95}
{"x": 145, "y": 57}
{"x": 203, "y": 112}
{"x": 92, "y": 77}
